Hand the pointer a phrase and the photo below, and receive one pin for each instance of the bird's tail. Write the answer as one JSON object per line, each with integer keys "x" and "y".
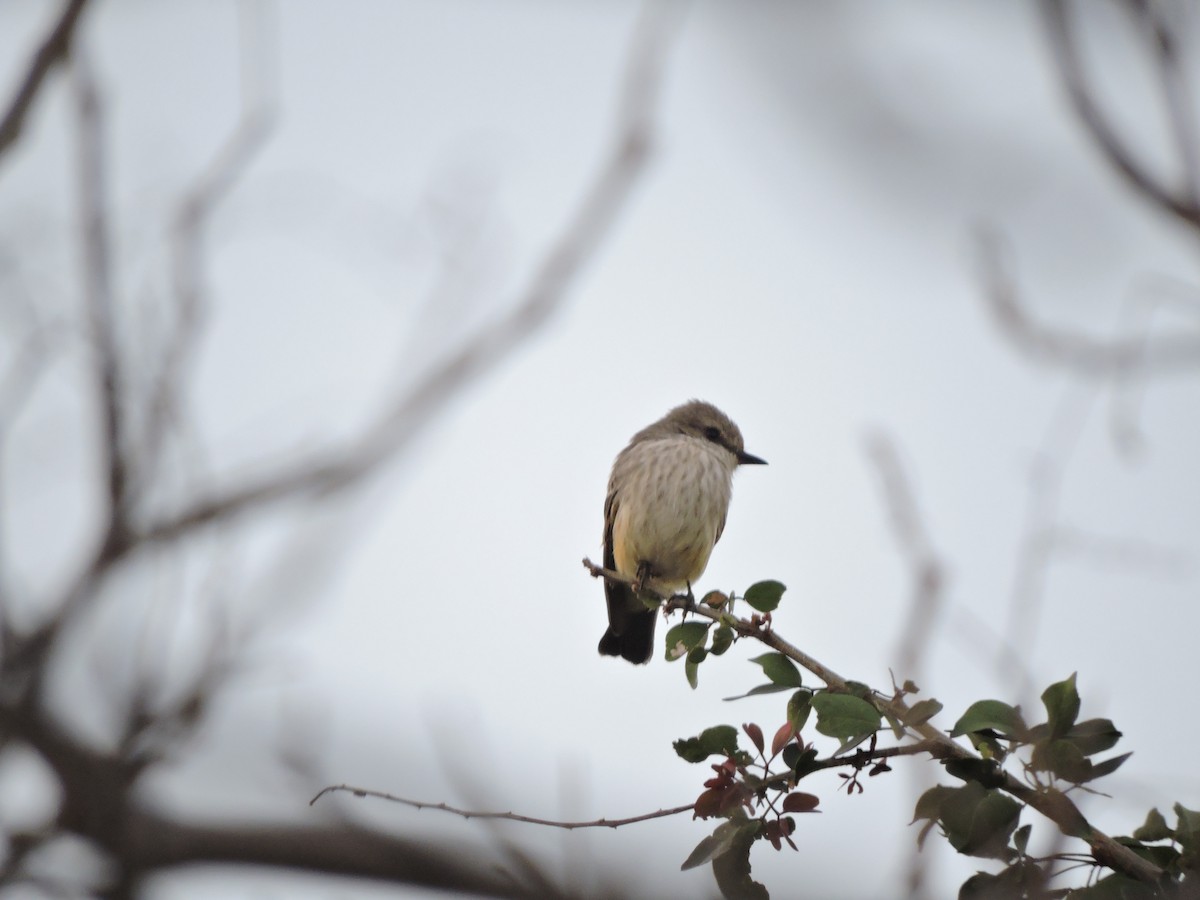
{"x": 635, "y": 640}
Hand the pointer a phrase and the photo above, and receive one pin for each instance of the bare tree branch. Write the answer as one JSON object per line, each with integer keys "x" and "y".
{"x": 55, "y": 48}
{"x": 100, "y": 802}
{"x": 98, "y": 293}
{"x": 190, "y": 221}
{"x": 1118, "y": 357}
{"x": 509, "y": 816}
{"x": 1182, "y": 202}
{"x": 154, "y": 843}
{"x": 928, "y": 574}
{"x": 414, "y": 408}
{"x": 927, "y": 578}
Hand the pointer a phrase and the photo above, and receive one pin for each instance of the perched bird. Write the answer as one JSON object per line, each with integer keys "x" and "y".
{"x": 668, "y": 496}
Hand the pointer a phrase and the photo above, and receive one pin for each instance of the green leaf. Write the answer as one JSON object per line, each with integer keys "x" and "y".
{"x": 1094, "y": 736}
{"x": 691, "y": 671}
{"x": 1021, "y": 838}
{"x": 1062, "y": 759}
{"x": 1187, "y": 832}
{"x": 984, "y": 771}
{"x": 764, "y": 595}
{"x": 800, "y": 760}
{"x": 1022, "y": 879}
{"x": 979, "y": 822}
{"x": 1108, "y": 766}
{"x": 921, "y": 712}
{"x": 719, "y": 842}
{"x": 722, "y": 640}
{"x": 984, "y": 715}
{"x": 929, "y": 804}
{"x": 761, "y": 689}
{"x": 798, "y": 708}
{"x": 1117, "y": 887}
{"x": 732, "y": 868}
{"x": 1154, "y": 828}
{"x": 1061, "y": 700}
{"x": 844, "y": 717}
{"x": 720, "y": 740}
{"x": 685, "y": 637}
{"x": 779, "y": 669}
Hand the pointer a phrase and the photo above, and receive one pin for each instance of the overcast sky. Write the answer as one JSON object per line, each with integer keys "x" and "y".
{"x": 799, "y": 252}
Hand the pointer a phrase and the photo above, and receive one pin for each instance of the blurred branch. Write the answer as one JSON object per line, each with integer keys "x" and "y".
{"x": 98, "y": 295}
{"x": 928, "y": 574}
{"x": 510, "y": 816}
{"x": 55, "y": 47}
{"x": 1182, "y": 201}
{"x": 156, "y": 843}
{"x": 927, "y": 578}
{"x": 413, "y": 408}
{"x": 190, "y": 220}
{"x": 100, "y": 802}
{"x": 1117, "y": 357}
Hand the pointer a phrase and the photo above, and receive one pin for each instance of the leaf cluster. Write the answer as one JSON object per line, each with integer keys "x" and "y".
{"x": 753, "y": 788}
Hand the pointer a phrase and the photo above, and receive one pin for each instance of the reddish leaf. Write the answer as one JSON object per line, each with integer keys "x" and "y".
{"x": 708, "y": 804}
{"x": 755, "y": 734}
{"x": 800, "y": 802}
{"x": 782, "y": 736}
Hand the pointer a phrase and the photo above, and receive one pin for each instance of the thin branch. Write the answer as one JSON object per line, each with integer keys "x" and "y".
{"x": 509, "y": 816}
{"x": 1180, "y": 203}
{"x": 53, "y": 50}
{"x": 857, "y": 759}
{"x": 1176, "y": 91}
{"x": 99, "y": 805}
{"x": 155, "y": 843}
{"x": 190, "y": 220}
{"x": 927, "y": 573}
{"x": 1116, "y": 357}
{"x": 1051, "y": 803}
{"x": 413, "y": 409}
{"x": 927, "y": 580}
{"x": 98, "y": 293}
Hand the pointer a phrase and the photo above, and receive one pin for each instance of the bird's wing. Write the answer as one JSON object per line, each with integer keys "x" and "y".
{"x": 720, "y": 529}
{"x": 610, "y": 516}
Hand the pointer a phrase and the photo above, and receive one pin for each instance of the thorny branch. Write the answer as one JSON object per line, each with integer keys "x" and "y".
{"x": 1051, "y": 803}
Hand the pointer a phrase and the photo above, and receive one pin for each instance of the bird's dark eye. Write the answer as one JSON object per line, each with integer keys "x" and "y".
{"x": 712, "y": 433}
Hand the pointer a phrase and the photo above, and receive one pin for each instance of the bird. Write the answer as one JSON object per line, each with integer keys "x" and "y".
{"x": 665, "y": 510}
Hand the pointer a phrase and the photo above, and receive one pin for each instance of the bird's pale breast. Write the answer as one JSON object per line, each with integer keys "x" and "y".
{"x": 672, "y": 496}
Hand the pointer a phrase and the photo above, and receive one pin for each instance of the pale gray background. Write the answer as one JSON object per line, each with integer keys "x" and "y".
{"x": 799, "y": 254}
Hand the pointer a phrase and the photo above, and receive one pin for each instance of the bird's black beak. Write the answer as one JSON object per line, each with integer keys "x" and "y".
{"x": 746, "y": 459}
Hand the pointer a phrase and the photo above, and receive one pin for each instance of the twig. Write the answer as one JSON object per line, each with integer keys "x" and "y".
{"x": 509, "y": 816}
{"x": 54, "y": 48}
